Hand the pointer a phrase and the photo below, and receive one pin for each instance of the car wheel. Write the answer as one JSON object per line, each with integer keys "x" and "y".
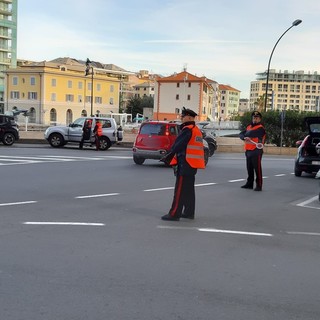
{"x": 56, "y": 140}
{"x": 8, "y": 139}
{"x": 105, "y": 143}
{"x": 297, "y": 172}
{"x": 138, "y": 160}
{"x": 212, "y": 149}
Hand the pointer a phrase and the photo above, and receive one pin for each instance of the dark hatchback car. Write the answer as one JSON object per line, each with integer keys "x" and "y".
{"x": 308, "y": 158}
{"x": 154, "y": 140}
{"x": 9, "y": 132}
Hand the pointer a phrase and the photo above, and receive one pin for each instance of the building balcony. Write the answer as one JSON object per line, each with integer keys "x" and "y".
{"x": 6, "y": 12}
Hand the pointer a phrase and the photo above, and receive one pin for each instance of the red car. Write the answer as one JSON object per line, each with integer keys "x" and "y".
{"x": 154, "y": 140}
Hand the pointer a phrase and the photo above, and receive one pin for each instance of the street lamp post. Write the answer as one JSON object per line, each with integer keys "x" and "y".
{"x": 88, "y": 67}
{"x": 294, "y": 23}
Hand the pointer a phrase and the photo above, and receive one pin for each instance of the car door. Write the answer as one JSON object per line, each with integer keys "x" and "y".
{"x": 75, "y": 130}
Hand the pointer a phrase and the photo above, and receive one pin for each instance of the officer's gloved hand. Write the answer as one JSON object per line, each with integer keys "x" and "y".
{"x": 167, "y": 158}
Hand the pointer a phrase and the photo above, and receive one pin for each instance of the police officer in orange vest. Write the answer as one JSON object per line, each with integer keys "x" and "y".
{"x": 254, "y": 138}
{"x": 98, "y": 133}
{"x": 187, "y": 155}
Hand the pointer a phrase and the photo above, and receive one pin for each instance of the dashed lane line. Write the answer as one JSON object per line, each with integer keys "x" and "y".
{"x": 16, "y": 203}
{"x": 64, "y": 223}
{"x": 98, "y": 195}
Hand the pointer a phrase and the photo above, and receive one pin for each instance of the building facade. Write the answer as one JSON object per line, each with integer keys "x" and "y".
{"x": 8, "y": 41}
{"x": 229, "y": 102}
{"x": 58, "y": 92}
{"x": 296, "y": 90}
{"x": 182, "y": 90}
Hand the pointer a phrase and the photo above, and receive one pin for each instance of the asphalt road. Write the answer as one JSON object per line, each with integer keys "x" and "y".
{"x": 81, "y": 238}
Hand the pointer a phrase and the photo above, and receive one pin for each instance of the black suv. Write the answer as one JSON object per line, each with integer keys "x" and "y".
{"x": 9, "y": 132}
{"x": 308, "y": 157}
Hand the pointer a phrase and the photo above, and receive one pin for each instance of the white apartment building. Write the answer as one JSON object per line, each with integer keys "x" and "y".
{"x": 183, "y": 90}
{"x": 296, "y": 90}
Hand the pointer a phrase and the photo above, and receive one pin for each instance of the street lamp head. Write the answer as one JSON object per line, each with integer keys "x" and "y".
{"x": 296, "y": 22}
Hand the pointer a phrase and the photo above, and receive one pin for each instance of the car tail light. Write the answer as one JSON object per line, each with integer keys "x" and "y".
{"x": 167, "y": 131}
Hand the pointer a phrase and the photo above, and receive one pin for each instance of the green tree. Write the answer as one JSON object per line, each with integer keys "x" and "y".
{"x": 292, "y": 125}
{"x": 147, "y": 102}
{"x": 259, "y": 104}
{"x": 134, "y": 106}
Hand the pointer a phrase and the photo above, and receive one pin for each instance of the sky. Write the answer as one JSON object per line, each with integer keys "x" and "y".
{"x": 227, "y": 41}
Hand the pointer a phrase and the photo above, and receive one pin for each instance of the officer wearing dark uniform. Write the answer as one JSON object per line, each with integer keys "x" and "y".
{"x": 254, "y": 135}
{"x": 187, "y": 156}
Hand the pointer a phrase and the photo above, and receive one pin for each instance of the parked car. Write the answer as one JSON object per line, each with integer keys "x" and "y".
{"x": 59, "y": 136}
{"x": 9, "y": 130}
{"x": 209, "y": 135}
{"x": 154, "y": 141}
{"x": 308, "y": 158}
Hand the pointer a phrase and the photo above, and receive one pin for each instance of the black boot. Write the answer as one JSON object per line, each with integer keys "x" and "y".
{"x": 169, "y": 217}
{"x": 247, "y": 186}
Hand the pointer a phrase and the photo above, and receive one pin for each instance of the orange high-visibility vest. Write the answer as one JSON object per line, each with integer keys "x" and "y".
{"x": 252, "y": 146}
{"x": 194, "y": 150}
{"x": 99, "y": 129}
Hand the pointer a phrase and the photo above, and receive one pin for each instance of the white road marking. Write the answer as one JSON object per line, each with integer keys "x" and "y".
{"x": 279, "y": 175}
{"x": 16, "y": 203}
{"x": 65, "y": 223}
{"x": 218, "y": 231}
{"x": 236, "y": 232}
{"x": 205, "y": 184}
{"x": 158, "y": 189}
{"x": 236, "y": 180}
{"x": 305, "y": 203}
{"x": 97, "y": 195}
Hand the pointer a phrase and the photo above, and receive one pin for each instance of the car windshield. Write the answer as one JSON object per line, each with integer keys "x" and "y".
{"x": 153, "y": 129}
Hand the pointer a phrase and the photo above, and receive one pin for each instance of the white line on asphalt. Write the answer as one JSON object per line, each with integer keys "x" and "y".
{"x": 237, "y": 180}
{"x": 205, "y": 184}
{"x": 218, "y": 231}
{"x": 236, "y": 232}
{"x": 16, "y": 203}
{"x": 97, "y": 195}
{"x": 158, "y": 189}
{"x": 65, "y": 223}
{"x": 303, "y": 233}
{"x": 279, "y": 175}
{"x": 304, "y": 203}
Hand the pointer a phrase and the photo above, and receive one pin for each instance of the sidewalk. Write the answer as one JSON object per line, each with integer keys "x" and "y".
{"x": 225, "y": 144}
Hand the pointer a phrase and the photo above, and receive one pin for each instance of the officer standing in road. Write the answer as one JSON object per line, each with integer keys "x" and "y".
{"x": 98, "y": 133}
{"x": 254, "y": 137}
{"x": 187, "y": 156}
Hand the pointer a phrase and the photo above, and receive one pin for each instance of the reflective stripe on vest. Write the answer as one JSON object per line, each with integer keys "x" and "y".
{"x": 249, "y": 145}
{"x": 194, "y": 150}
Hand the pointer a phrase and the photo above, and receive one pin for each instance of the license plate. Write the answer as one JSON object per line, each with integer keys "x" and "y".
{"x": 316, "y": 162}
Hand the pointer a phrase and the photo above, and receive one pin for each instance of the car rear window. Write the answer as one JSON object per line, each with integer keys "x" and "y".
{"x": 153, "y": 129}
{"x": 315, "y": 127}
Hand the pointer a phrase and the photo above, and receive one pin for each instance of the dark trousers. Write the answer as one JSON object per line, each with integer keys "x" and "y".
{"x": 97, "y": 139}
{"x": 254, "y": 167}
{"x": 184, "y": 197}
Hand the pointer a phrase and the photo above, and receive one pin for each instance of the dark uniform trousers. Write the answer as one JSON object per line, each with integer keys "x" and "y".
{"x": 254, "y": 167}
{"x": 184, "y": 197}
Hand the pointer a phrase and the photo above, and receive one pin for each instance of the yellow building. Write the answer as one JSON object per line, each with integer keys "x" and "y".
{"x": 296, "y": 90}
{"x": 229, "y": 102}
{"x": 58, "y": 92}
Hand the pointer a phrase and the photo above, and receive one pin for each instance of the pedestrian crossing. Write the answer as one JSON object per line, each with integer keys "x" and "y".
{"x": 19, "y": 160}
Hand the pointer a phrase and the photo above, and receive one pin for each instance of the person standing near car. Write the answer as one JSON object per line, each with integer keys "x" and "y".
{"x": 187, "y": 155}
{"x": 86, "y": 132}
{"x": 97, "y": 133}
{"x": 254, "y": 134}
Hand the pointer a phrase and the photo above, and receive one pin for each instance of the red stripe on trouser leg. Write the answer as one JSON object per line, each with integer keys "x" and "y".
{"x": 259, "y": 172}
{"x": 177, "y": 196}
